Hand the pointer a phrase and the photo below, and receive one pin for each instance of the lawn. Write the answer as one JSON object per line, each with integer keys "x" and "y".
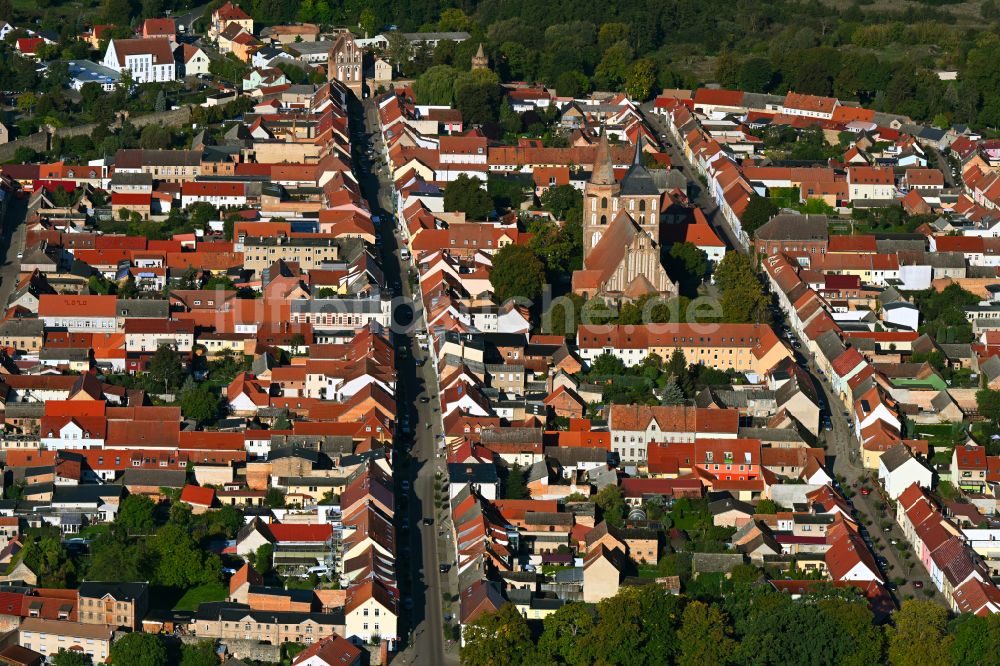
{"x": 943, "y": 435}
{"x": 201, "y": 594}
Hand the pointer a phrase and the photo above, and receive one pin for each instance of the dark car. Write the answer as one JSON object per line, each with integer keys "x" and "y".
{"x": 428, "y": 521}
{"x": 444, "y": 568}
{"x": 424, "y": 399}
{"x": 918, "y": 584}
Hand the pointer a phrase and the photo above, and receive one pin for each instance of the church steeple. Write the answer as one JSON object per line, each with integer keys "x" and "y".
{"x": 480, "y": 61}
{"x": 603, "y": 173}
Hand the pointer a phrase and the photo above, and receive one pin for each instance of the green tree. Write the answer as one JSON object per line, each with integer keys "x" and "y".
{"x": 759, "y": 210}
{"x": 516, "y": 486}
{"x": 612, "y": 505}
{"x": 48, "y": 558}
{"x": 732, "y": 270}
{"x": 755, "y": 75}
{"x": 436, "y": 86}
{"x": 200, "y": 404}
{"x": 498, "y": 639}
{"x": 165, "y": 368}
{"x": 614, "y": 66}
{"x": 466, "y": 194}
{"x": 562, "y": 636}
{"x": 399, "y": 51}
{"x": 704, "y": 636}
{"x": 509, "y": 118}
{"x": 988, "y": 404}
{"x": 114, "y": 557}
{"x": 918, "y": 637}
{"x": 975, "y": 640}
{"x": 201, "y": 653}
{"x": 71, "y": 658}
{"x": 572, "y": 84}
{"x": 263, "y": 559}
{"x": 516, "y": 273}
{"x": 561, "y": 199}
{"x": 640, "y": 81}
{"x": 274, "y": 499}
{"x": 136, "y": 515}
{"x": 182, "y": 563}
{"x": 687, "y": 264}
{"x": 139, "y": 649}
{"x": 766, "y": 507}
{"x": 368, "y": 22}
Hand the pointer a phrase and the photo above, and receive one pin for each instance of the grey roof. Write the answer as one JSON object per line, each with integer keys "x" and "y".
{"x": 896, "y": 457}
{"x": 889, "y": 295}
{"x": 22, "y": 327}
{"x": 957, "y": 351}
{"x": 164, "y": 478}
{"x": 338, "y": 305}
{"x": 942, "y": 401}
{"x": 457, "y": 36}
{"x": 830, "y": 345}
{"x": 511, "y": 435}
{"x": 793, "y": 226}
{"x": 473, "y": 472}
{"x": 120, "y": 591}
{"x": 568, "y": 456}
{"x": 537, "y": 471}
{"x": 946, "y": 259}
{"x": 730, "y": 504}
{"x": 991, "y": 368}
{"x": 149, "y": 308}
{"x": 716, "y": 562}
{"x": 132, "y": 179}
{"x": 637, "y": 180}
{"x": 310, "y": 48}
{"x": 771, "y": 434}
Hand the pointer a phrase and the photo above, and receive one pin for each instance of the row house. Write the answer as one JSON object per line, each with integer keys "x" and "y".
{"x": 634, "y": 427}
{"x": 746, "y": 348}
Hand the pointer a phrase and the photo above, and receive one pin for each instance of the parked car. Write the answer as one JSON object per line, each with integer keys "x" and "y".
{"x": 866, "y": 491}
{"x": 406, "y": 486}
{"x": 918, "y": 584}
{"x": 444, "y": 568}
{"x": 428, "y": 521}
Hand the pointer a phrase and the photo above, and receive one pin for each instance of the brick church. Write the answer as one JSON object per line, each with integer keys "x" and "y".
{"x": 621, "y": 233}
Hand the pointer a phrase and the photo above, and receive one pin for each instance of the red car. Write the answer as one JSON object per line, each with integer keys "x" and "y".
{"x": 866, "y": 491}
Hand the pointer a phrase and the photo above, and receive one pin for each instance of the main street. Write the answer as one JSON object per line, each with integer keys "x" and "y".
{"x": 841, "y": 444}
{"x": 418, "y": 424}
{"x": 11, "y": 246}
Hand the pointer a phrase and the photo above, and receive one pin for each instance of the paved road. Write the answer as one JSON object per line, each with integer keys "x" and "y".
{"x": 11, "y": 244}
{"x": 841, "y": 444}
{"x": 415, "y": 461}
{"x": 697, "y": 193}
{"x": 189, "y": 17}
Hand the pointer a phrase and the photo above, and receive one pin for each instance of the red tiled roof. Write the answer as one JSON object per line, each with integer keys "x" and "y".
{"x": 197, "y": 495}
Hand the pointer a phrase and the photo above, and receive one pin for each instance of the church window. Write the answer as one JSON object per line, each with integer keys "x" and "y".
{"x": 604, "y": 202}
{"x": 631, "y": 204}
{"x": 642, "y": 206}
{"x": 604, "y": 219}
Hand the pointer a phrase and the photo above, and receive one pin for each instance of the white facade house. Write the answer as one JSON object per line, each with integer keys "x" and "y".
{"x": 72, "y": 435}
{"x": 148, "y": 60}
{"x": 898, "y": 470}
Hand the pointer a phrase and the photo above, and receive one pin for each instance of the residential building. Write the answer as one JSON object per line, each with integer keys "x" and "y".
{"x": 146, "y": 60}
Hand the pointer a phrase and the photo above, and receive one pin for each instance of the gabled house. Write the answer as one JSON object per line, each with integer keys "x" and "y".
{"x": 898, "y": 469}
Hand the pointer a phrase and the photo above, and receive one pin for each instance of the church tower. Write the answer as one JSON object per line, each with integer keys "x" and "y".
{"x": 600, "y": 197}
{"x": 480, "y": 61}
{"x": 640, "y": 196}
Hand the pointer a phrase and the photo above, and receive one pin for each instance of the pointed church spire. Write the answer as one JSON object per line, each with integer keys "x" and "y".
{"x": 637, "y": 160}
{"x": 603, "y": 173}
